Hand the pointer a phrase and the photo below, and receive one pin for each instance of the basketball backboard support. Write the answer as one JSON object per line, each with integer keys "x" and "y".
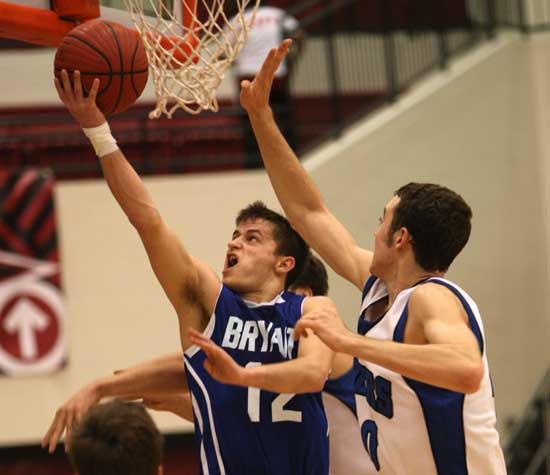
{"x": 46, "y": 22}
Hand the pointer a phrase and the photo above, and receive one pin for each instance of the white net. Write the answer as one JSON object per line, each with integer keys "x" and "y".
{"x": 188, "y": 55}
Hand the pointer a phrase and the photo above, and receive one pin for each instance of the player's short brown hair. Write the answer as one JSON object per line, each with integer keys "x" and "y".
{"x": 313, "y": 276}
{"x": 116, "y": 438}
{"x": 438, "y": 219}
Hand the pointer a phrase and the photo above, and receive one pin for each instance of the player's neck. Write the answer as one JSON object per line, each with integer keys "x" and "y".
{"x": 405, "y": 275}
{"x": 265, "y": 294}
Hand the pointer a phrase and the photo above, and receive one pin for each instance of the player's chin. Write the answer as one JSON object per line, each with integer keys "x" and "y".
{"x": 233, "y": 283}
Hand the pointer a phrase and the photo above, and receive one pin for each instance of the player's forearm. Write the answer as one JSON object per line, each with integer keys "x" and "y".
{"x": 129, "y": 190}
{"x": 294, "y": 188}
{"x": 442, "y": 365}
{"x": 302, "y": 375}
{"x": 162, "y": 375}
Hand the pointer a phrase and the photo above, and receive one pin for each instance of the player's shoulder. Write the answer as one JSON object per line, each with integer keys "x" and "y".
{"x": 425, "y": 292}
{"x": 318, "y": 302}
{"x": 432, "y": 297}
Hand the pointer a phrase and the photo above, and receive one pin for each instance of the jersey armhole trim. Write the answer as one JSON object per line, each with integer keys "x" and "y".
{"x": 194, "y": 349}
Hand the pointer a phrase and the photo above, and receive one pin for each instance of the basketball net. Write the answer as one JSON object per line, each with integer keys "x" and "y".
{"x": 188, "y": 61}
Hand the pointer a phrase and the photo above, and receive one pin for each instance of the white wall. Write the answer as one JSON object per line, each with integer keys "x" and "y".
{"x": 478, "y": 128}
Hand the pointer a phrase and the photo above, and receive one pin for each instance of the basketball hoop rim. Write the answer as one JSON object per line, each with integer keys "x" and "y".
{"x": 46, "y": 28}
{"x": 32, "y": 25}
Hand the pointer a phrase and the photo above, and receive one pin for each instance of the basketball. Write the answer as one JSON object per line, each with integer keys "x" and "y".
{"x": 110, "y": 52}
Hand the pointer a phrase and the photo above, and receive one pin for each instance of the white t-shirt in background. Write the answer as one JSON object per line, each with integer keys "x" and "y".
{"x": 265, "y": 33}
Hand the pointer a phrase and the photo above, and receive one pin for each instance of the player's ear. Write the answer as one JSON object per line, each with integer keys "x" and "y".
{"x": 401, "y": 237}
{"x": 285, "y": 264}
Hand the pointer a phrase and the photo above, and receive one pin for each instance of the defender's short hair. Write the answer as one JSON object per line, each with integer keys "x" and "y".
{"x": 314, "y": 276}
{"x": 438, "y": 219}
{"x": 116, "y": 438}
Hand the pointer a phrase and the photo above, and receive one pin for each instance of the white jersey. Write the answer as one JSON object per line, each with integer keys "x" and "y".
{"x": 265, "y": 33}
{"x": 347, "y": 454}
{"x": 413, "y": 428}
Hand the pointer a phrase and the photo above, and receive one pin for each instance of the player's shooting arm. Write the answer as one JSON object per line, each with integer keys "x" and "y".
{"x": 295, "y": 190}
{"x": 305, "y": 374}
{"x": 190, "y": 285}
{"x": 161, "y": 376}
{"x": 444, "y": 351}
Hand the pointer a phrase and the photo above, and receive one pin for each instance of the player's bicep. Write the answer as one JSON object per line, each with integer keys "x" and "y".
{"x": 454, "y": 333}
{"x": 334, "y": 243}
{"x": 183, "y": 278}
{"x": 443, "y": 319}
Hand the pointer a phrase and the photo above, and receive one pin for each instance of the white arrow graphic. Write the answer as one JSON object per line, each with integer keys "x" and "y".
{"x": 25, "y": 318}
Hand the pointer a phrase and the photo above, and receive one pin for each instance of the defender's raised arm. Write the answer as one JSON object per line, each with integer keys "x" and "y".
{"x": 296, "y": 191}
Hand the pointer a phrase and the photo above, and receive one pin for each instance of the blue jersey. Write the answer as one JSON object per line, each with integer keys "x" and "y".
{"x": 249, "y": 431}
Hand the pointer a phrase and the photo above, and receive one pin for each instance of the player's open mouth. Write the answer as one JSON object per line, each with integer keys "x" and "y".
{"x": 231, "y": 261}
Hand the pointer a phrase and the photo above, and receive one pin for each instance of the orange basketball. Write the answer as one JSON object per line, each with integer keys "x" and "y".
{"x": 108, "y": 51}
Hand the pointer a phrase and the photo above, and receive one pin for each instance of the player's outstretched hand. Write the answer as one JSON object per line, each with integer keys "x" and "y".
{"x": 218, "y": 363}
{"x": 327, "y": 325}
{"x": 68, "y": 415}
{"x": 82, "y": 108}
{"x": 255, "y": 94}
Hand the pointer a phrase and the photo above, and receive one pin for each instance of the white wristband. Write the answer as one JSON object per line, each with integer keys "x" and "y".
{"x": 101, "y": 139}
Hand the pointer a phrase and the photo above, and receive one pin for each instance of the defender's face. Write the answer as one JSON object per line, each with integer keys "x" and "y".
{"x": 384, "y": 254}
{"x": 251, "y": 257}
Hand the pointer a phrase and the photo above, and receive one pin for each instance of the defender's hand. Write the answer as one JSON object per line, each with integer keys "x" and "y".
{"x": 68, "y": 415}
{"x": 83, "y": 109}
{"x": 255, "y": 94}
{"x": 218, "y": 363}
{"x": 327, "y": 325}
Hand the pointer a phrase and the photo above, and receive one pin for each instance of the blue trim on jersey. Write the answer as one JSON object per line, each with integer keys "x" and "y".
{"x": 471, "y": 318}
{"x": 442, "y": 408}
{"x": 364, "y": 326}
{"x": 343, "y": 389}
{"x": 443, "y": 413}
{"x": 368, "y": 284}
{"x": 206, "y": 437}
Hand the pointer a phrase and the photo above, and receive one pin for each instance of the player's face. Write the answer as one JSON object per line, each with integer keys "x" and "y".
{"x": 384, "y": 255}
{"x": 251, "y": 257}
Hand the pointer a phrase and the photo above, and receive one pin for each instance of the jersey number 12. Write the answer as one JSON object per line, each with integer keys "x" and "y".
{"x": 278, "y": 412}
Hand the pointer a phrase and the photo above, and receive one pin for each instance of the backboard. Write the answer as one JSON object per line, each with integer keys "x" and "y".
{"x": 46, "y": 22}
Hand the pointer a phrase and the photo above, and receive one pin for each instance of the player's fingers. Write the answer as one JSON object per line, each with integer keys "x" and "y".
{"x": 46, "y": 439}
{"x": 93, "y": 90}
{"x": 286, "y": 44}
{"x": 77, "y": 86}
{"x": 57, "y": 432}
{"x": 278, "y": 57}
{"x": 208, "y": 367}
{"x": 198, "y": 338}
{"x": 298, "y": 331}
{"x": 269, "y": 66}
{"x": 245, "y": 86}
{"x": 67, "y": 86}
{"x": 59, "y": 89}
{"x": 69, "y": 431}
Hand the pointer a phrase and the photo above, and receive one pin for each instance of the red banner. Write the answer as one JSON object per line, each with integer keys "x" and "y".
{"x": 32, "y": 325}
